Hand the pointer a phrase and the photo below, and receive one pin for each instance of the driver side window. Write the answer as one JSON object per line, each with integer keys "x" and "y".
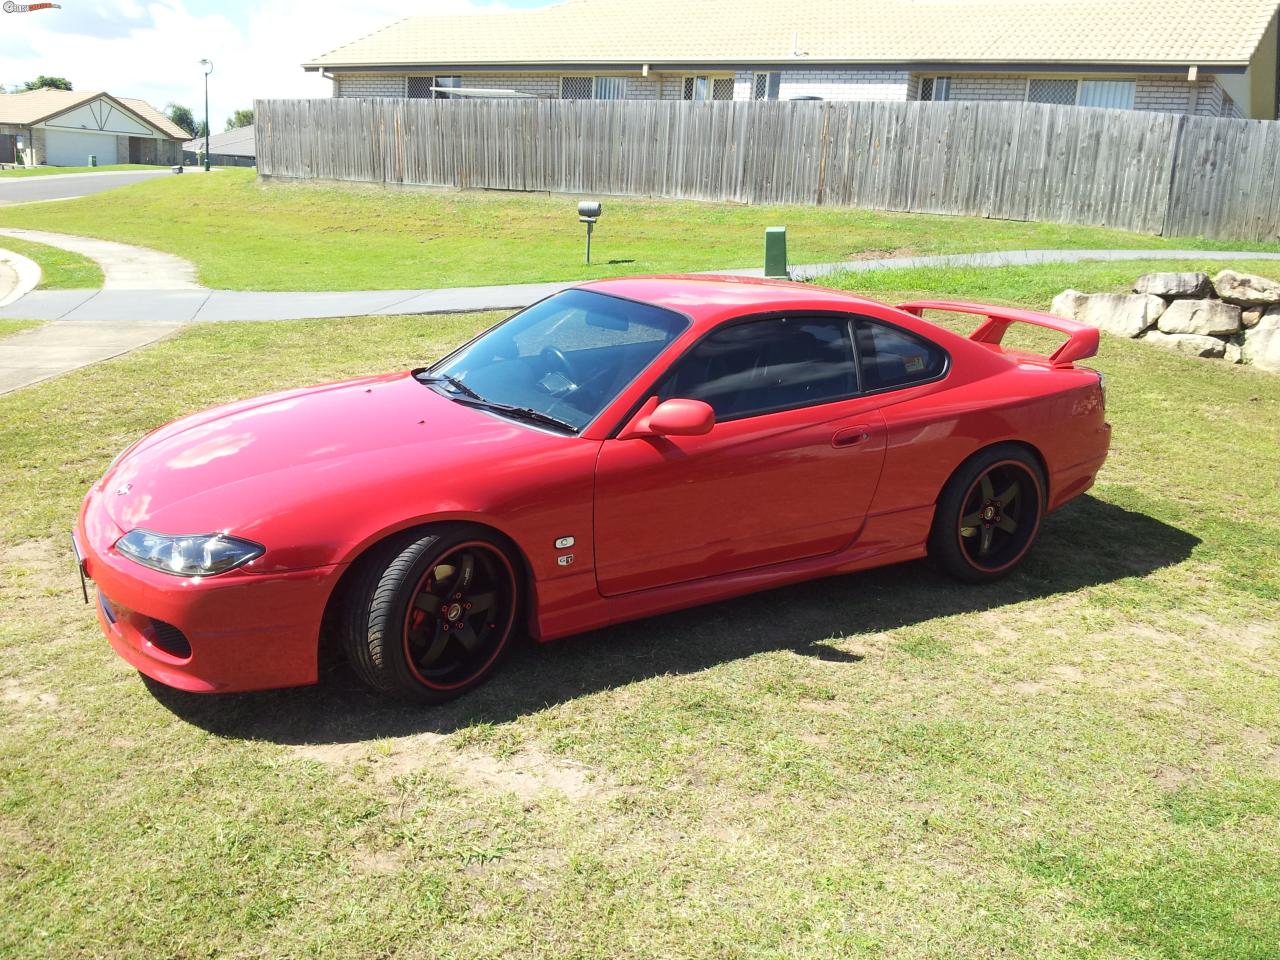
{"x": 762, "y": 366}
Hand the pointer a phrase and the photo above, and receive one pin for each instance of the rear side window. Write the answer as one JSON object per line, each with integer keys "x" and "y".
{"x": 890, "y": 357}
{"x": 766, "y": 365}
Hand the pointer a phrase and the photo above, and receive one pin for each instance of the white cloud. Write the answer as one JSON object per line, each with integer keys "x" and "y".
{"x": 153, "y": 49}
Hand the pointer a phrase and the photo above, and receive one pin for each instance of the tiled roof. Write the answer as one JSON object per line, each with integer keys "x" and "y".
{"x": 1181, "y": 32}
{"x": 33, "y": 106}
{"x": 237, "y": 143}
{"x": 154, "y": 117}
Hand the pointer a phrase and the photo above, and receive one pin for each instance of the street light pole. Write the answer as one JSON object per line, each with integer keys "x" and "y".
{"x": 208, "y": 69}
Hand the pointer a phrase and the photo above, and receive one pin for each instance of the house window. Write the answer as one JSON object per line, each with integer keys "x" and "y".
{"x": 576, "y": 88}
{"x": 708, "y": 88}
{"x": 611, "y": 88}
{"x": 419, "y": 88}
{"x": 593, "y": 88}
{"x": 765, "y": 86}
{"x": 935, "y": 88}
{"x": 451, "y": 83}
{"x": 1115, "y": 94}
{"x": 1052, "y": 91}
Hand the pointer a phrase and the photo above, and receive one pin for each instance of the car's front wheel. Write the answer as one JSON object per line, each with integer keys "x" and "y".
{"x": 989, "y": 514}
{"x": 430, "y": 614}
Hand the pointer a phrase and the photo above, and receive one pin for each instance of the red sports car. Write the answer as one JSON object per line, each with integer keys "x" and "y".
{"x": 620, "y": 449}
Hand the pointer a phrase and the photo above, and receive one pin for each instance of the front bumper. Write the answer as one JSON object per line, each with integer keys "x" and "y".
{"x": 243, "y": 631}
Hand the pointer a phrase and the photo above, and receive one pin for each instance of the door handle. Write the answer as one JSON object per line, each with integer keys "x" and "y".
{"x": 851, "y": 436}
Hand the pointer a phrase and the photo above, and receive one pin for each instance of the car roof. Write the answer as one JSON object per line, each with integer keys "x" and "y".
{"x": 708, "y": 299}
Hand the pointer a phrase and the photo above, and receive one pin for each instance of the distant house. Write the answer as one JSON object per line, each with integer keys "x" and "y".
{"x": 235, "y": 148}
{"x": 63, "y": 129}
{"x": 1206, "y": 57}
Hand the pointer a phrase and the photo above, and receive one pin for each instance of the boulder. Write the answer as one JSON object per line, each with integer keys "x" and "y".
{"x": 1247, "y": 289}
{"x": 1231, "y": 352}
{"x": 1207, "y": 317}
{"x": 1068, "y": 304}
{"x": 1250, "y": 316}
{"x": 1117, "y": 313}
{"x": 1173, "y": 286}
{"x": 1262, "y": 343}
{"x": 1192, "y": 343}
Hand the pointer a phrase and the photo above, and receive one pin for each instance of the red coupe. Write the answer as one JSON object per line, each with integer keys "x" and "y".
{"x": 620, "y": 449}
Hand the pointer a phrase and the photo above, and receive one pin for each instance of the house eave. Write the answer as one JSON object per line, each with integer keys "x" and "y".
{"x": 930, "y": 66}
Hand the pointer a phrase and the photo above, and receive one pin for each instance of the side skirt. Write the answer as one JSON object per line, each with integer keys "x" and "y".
{"x": 574, "y": 605}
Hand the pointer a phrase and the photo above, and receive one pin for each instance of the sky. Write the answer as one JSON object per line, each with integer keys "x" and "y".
{"x": 152, "y": 50}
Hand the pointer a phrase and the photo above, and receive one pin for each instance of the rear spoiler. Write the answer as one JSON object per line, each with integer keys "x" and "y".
{"x": 1082, "y": 342}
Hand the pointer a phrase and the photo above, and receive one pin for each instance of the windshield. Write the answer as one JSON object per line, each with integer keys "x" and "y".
{"x": 565, "y": 358}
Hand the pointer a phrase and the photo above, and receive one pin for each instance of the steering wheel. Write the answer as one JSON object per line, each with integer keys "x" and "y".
{"x": 556, "y": 357}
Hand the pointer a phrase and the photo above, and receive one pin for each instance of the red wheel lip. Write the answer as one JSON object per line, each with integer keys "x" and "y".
{"x": 511, "y": 616}
{"x": 1034, "y": 530}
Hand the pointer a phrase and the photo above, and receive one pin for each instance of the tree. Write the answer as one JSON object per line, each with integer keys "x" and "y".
{"x": 182, "y": 117}
{"x": 40, "y": 82}
{"x": 241, "y": 118}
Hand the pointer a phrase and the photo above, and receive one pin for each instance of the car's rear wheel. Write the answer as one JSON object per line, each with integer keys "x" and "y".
{"x": 989, "y": 514}
{"x": 430, "y": 615}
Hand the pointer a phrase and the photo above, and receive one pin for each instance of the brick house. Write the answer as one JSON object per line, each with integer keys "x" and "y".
{"x": 63, "y": 129}
{"x": 1206, "y": 57}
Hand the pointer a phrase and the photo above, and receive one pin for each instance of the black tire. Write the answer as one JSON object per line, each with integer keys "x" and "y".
{"x": 429, "y": 615}
{"x": 988, "y": 514}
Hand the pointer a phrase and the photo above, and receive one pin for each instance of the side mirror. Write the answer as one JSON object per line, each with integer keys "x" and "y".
{"x": 678, "y": 418}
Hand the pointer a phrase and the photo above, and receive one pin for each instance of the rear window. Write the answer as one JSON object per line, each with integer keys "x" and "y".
{"x": 890, "y": 357}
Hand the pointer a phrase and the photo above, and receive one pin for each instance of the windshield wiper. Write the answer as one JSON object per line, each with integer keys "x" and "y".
{"x": 475, "y": 400}
{"x": 527, "y": 414}
{"x": 451, "y": 381}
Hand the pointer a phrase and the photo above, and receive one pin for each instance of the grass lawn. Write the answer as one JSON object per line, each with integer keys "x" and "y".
{"x": 249, "y": 236}
{"x": 59, "y": 171}
{"x": 10, "y": 327}
{"x": 1082, "y": 761}
{"x": 59, "y": 269}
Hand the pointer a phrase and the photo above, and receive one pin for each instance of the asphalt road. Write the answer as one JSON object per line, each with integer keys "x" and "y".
{"x": 64, "y": 186}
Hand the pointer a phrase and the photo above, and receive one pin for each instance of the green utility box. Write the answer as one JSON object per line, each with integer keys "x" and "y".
{"x": 775, "y": 253}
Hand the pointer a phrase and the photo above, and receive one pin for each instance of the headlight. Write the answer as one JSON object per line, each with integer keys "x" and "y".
{"x": 198, "y": 556}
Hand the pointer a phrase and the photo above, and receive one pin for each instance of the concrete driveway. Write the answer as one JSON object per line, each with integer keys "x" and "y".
{"x": 65, "y": 186}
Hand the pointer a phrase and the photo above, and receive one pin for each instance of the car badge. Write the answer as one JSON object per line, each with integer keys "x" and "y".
{"x": 123, "y": 489}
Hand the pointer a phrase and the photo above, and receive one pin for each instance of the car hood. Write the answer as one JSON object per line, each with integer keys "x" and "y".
{"x": 235, "y": 468}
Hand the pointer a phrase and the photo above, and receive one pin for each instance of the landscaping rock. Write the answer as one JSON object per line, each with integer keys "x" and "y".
{"x": 1262, "y": 343}
{"x": 1247, "y": 289}
{"x": 1172, "y": 286}
{"x": 1231, "y": 352}
{"x": 1192, "y": 343}
{"x": 1117, "y": 313}
{"x": 1206, "y": 317}
{"x": 1068, "y": 304}
{"x": 1250, "y": 316}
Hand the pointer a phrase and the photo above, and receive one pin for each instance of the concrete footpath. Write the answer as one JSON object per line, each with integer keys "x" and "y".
{"x": 34, "y": 355}
{"x": 147, "y": 295}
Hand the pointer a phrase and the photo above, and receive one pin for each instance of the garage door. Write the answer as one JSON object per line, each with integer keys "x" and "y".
{"x": 71, "y": 148}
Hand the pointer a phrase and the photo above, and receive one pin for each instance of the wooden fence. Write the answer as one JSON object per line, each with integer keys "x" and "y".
{"x": 1156, "y": 173}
